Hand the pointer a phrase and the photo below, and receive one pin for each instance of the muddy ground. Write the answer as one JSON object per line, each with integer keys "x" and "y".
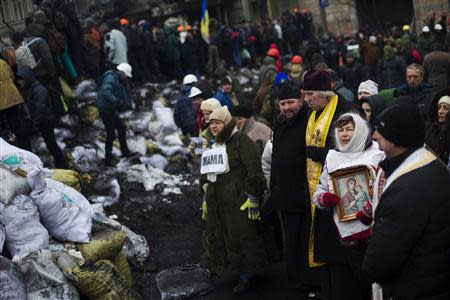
{"x": 173, "y": 228}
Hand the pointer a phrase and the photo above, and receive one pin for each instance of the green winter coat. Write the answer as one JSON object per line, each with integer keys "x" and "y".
{"x": 231, "y": 240}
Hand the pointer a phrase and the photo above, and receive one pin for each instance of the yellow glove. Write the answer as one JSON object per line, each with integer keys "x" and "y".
{"x": 253, "y": 209}
{"x": 204, "y": 210}
{"x": 86, "y": 178}
{"x": 68, "y": 177}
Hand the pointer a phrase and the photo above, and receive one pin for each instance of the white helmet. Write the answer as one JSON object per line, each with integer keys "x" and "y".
{"x": 189, "y": 79}
{"x": 195, "y": 92}
{"x": 426, "y": 29}
{"x": 438, "y": 27}
{"x": 126, "y": 69}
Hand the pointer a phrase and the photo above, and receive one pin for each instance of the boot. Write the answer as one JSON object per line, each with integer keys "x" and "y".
{"x": 129, "y": 154}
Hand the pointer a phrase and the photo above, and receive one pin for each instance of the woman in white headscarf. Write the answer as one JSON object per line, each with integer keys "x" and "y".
{"x": 355, "y": 147}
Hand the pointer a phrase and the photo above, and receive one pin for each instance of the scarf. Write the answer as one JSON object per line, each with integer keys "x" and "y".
{"x": 360, "y": 137}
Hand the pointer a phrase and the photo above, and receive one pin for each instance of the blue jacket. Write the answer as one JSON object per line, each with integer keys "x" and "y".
{"x": 184, "y": 114}
{"x": 112, "y": 90}
{"x": 224, "y": 99}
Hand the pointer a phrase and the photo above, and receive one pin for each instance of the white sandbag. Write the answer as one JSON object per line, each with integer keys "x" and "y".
{"x": 12, "y": 185}
{"x": 172, "y": 150}
{"x": 65, "y": 213}
{"x": 137, "y": 144}
{"x": 16, "y": 158}
{"x": 84, "y": 87}
{"x": 139, "y": 122}
{"x": 11, "y": 281}
{"x": 154, "y": 128}
{"x": 172, "y": 140}
{"x": 165, "y": 116}
{"x": 24, "y": 231}
{"x": 156, "y": 161}
{"x": 2, "y": 237}
{"x": 136, "y": 248}
{"x": 43, "y": 279}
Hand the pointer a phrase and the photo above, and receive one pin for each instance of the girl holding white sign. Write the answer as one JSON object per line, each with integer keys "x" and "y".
{"x": 231, "y": 184}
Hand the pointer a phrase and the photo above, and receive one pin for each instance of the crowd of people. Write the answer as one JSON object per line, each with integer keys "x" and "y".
{"x": 340, "y": 160}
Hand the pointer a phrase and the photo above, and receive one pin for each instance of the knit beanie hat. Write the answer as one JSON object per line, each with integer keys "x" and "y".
{"x": 317, "y": 80}
{"x": 210, "y": 104}
{"x": 226, "y": 80}
{"x": 221, "y": 114}
{"x": 289, "y": 90}
{"x": 444, "y": 100}
{"x": 402, "y": 125}
{"x": 242, "y": 111}
{"x": 368, "y": 86}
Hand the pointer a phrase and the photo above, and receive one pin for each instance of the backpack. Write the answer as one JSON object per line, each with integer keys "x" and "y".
{"x": 24, "y": 56}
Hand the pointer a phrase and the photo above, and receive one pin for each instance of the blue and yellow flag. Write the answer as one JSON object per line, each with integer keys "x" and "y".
{"x": 204, "y": 24}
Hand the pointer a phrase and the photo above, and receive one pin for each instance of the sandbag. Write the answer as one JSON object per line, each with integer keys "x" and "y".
{"x": 137, "y": 144}
{"x": 11, "y": 185}
{"x": 110, "y": 189}
{"x": 11, "y": 281}
{"x": 24, "y": 232}
{"x": 156, "y": 161}
{"x": 43, "y": 278}
{"x": 88, "y": 114}
{"x": 68, "y": 177}
{"x": 136, "y": 248}
{"x": 102, "y": 281}
{"x": 103, "y": 245}
{"x": 183, "y": 282}
{"x": 65, "y": 213}
{"x": 165, "y": 116}
{"x": 22, "y": 160}
{"x": 121, "y": 263}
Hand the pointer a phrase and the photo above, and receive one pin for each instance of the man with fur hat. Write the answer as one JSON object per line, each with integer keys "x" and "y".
{"x": 288, "y": 185}
{"x": 231, "y": 198}
{"x": 409, "y": 251}
{"x": 326, "y": 107}
{"x": 258, "y": 132}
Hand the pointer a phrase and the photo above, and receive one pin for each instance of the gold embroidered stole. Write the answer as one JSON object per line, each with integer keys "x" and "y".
{"x": 316, "y": 135}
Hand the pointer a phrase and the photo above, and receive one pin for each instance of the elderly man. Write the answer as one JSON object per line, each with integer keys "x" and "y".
{"x": 288, "y": 185}
{"x": 416, "y": 88}
{"x": 325, "y": 107}
{"x": 409, "y": 251}
{"x": 258, "y": 132}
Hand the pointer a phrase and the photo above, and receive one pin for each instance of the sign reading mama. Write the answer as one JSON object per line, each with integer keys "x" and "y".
{"x": 214, "y": 160}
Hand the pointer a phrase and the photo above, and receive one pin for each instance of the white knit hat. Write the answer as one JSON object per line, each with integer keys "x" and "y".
{"x": 210, "y": 104}
{"x": 368, "y": 86}
{"x": 444, "y": 99}
{"x": 373, "y": 39}
{"x": 221, "y": 114}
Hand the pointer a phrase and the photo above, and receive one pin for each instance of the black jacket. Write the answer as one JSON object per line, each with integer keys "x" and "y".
{"x": 421, "y": 96}
{"x": 36, "y": 97}
{"x": 409, "y": 251}
{"x": 288, "y": 172}
{"x": 377, "y": 105}
{"x": 352, "y": 75}
{"x": 391, "y": 72}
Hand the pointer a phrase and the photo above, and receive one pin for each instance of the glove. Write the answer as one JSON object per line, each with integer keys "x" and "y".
{"x": 204, "y": 209}
{"x": 329, "y": 199}
{"x": 365, "y": 214}
{"x": 317, "y": 154}
{"x": 253, "y": 208}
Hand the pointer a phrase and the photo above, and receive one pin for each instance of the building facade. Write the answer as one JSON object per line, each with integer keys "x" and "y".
{"x": 13, "y": 14}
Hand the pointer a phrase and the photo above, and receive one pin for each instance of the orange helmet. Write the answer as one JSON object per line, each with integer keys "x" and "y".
{"x": 273, "y": 52}
{"x": 297, "y": 59}
{"x": 188, "y": 28}
{"x": 124, "y": 22}
{"x": 180, "y": 28}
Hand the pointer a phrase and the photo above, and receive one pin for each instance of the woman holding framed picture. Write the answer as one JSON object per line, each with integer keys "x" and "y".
{"x": 345, "y": 193}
